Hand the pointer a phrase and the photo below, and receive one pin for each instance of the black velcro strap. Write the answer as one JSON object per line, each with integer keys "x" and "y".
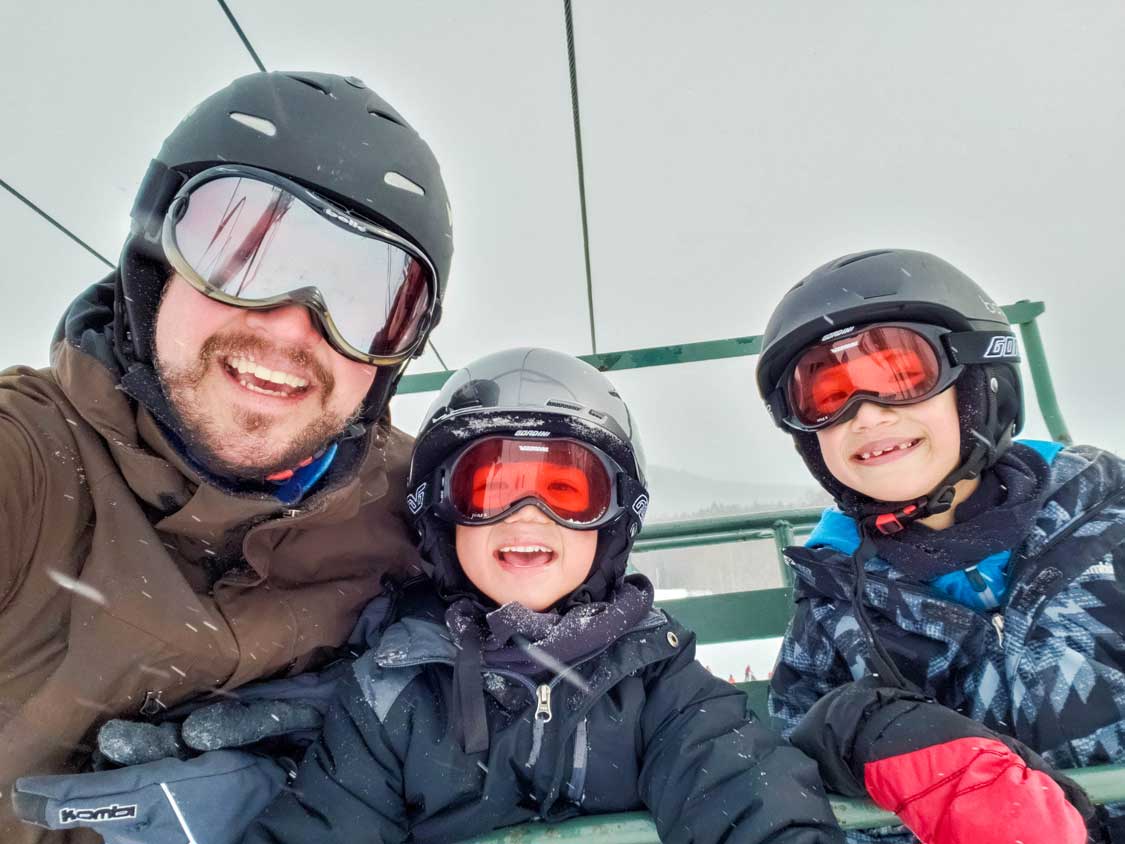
{"x": 473, "y": 725}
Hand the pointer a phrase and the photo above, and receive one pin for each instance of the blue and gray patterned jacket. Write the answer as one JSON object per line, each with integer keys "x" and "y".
{"x": 1047, "y": 667}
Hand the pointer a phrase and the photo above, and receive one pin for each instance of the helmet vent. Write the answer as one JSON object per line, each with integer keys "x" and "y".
{"x": 568, "y": 405}
{"x": 397, "y": 180}
{"x": 304, "y": 80}
{"x": 258, "y": 124}
{"x": 860, "y": 256}
{"x": 374, "y": 112}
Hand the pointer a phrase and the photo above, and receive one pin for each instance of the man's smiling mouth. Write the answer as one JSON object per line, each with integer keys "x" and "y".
{"x": 262, "y": 380}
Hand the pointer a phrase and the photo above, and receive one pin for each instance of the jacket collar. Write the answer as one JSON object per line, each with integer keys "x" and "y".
{"x": 415, "y": 641}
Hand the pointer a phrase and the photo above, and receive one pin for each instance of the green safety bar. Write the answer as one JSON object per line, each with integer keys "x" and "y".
{"x": 1104, "y": 784}
{"x": 1022, "y": 313}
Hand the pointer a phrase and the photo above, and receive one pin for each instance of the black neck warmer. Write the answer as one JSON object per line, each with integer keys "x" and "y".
{"x": 535, "y": 644}
{"x": 996, "y": 517}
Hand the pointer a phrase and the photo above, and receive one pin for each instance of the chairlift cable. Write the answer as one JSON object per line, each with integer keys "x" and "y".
{"x": 56, "y": 223}
{"x": 433, "y": 349}
{"x": 581, "y": 170}
{"x": 242, "y": 35}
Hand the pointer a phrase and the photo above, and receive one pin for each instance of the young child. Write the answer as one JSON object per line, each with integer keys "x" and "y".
{"x": 967, "y": 581}
{"x": 530, "y": 679}
{"x": 538, "y": 683}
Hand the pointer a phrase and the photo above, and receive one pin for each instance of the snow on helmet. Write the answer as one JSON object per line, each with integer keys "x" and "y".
{"x": 534, "y": 393}
{"x": 329, "y": 133}
{"x": 897, "y": 285}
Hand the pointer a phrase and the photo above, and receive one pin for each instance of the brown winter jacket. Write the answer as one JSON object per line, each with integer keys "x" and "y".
{"x": 106, "y": 538}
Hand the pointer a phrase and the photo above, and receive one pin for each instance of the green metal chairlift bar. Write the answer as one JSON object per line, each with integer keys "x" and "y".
{"x": 1104, "y": 784}
{"x": 1022, "y": 313}
{"x": 1041, "y": 378}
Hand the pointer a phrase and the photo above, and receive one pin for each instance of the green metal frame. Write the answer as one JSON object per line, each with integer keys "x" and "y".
{"x": 1104, "y": 784}
{"x": 1022, "y": 313}
{"x": 762, "y": 613}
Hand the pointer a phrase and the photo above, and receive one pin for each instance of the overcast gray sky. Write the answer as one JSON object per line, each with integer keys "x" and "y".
{"x": 730, "y": 147}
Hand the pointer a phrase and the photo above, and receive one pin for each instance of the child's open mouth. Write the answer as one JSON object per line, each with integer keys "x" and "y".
{"x": 885, "y": 451}
{"x": 524, "y": 556}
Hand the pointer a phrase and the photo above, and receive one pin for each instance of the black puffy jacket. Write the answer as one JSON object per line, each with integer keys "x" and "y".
{"x": 644, "y": 725}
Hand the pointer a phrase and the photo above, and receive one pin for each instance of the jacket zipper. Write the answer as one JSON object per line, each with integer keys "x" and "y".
{"x": 543, "y": 703}
{"x": 542, "y": 695}
{"x": 998, "y": 625}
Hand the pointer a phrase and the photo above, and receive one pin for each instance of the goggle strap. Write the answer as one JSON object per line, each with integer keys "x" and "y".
{"x": 981, "y": 347}
{"x": 634, "y": 499}
{"x": 158, "y": 187}
{"x": 422, "y": 496}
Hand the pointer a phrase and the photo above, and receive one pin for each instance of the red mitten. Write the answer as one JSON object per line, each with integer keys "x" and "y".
{"x": 972, "y": 791}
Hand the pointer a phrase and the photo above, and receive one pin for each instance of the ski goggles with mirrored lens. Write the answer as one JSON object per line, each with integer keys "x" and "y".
{"x": 253, "y": 239}
{"x": 576, "y": 484}
{"x": 888, "y": 363}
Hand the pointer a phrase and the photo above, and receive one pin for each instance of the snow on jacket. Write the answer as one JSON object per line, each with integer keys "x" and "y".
{"x": 106, "y": 536}
{"x": 1047, "y": 668}
{"x": 645, "y": 726}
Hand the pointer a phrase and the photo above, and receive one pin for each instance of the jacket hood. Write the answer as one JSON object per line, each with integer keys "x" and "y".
{"x": 89, "y": 323}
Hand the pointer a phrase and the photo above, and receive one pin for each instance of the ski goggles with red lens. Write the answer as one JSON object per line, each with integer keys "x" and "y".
{"x": 577, "y": 485}
{"x": 250, "y": 238}
{"x": 886, "y": 363}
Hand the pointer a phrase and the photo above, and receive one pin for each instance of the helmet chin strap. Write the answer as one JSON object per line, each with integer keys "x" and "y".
{"x": 985, "y": 453}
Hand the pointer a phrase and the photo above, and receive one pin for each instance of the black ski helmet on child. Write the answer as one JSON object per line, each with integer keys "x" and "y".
{"x": 897, "y": 285}
{"x": 534, "y": 393}
{"x": 329, "y": 133}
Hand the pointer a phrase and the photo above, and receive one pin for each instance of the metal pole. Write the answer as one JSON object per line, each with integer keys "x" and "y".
{"x": 1041, "y": 378}
{"x": 782, "y": 539}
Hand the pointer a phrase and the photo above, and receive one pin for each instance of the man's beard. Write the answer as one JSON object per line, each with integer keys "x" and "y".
{"x": 250, "y": 453}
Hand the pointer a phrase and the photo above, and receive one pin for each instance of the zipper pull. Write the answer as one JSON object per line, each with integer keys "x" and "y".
{"x": 152, "y": 704}
{"x": 998, "y": 625}
{"x": 543, "y": 701}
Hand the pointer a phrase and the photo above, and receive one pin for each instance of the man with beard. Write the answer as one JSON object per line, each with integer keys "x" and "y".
{"x": 204, "y": 488}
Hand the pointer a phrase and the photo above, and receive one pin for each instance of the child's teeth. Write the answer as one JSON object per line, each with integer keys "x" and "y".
{"x": 865, "y": 455}
{"x": 904, "y": 445}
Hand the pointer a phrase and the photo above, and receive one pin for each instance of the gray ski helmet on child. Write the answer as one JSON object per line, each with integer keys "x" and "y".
{"x": 897, "y": 285}
{"x": 535, "y": 393}
{"x": 330, "y": 134}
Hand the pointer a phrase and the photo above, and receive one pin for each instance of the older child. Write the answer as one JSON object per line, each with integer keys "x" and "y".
{"x": 958, "y": 566}
{"x": 531, "y": 679}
